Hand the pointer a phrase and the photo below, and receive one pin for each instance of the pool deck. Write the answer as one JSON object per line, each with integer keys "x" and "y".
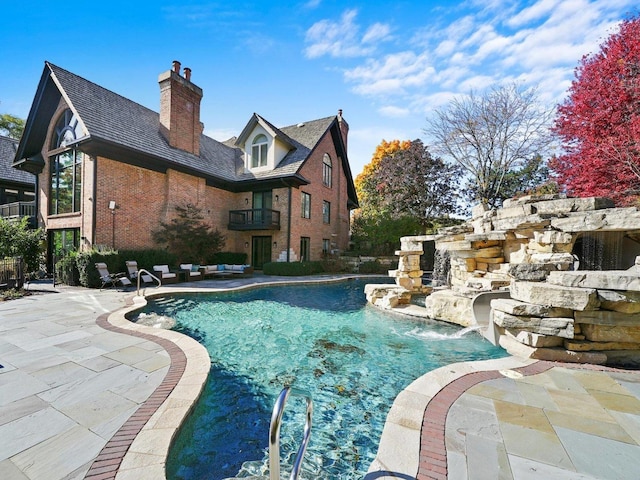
{"x": 86, "y": 394}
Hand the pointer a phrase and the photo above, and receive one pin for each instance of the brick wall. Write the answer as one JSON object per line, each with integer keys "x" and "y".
{"x": 145, "y": 198}
{"x": 337, "y": 231}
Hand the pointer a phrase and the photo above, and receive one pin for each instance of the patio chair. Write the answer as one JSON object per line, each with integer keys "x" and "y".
{"x": 164, "y": 274}
{"x": 111, "y": 279}
{"x": 192, "y": 272}
{"x": 132, "y": 268}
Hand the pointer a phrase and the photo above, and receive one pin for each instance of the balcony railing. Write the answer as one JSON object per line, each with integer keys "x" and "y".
{"x": 254, "y": 219}
{"x": 17, "y": 210}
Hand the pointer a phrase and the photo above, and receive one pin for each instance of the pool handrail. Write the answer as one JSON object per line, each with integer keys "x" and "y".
{"x": 274, "y": 432}
{"x": 140, "y": 272}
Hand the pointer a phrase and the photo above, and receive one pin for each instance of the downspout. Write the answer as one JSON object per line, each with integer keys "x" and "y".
{"x": 289, "y": 228}
{"x": 94, "y": 209}
{"x": 36, "y": 223}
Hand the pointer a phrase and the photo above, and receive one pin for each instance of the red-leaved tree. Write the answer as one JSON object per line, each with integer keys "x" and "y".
{"x": 599, "y": 122}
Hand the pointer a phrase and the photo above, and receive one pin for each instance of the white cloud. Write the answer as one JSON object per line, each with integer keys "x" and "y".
{"x": 376, "y": 32}
{"x": 534, "y": 12}
{"x": 311, "y": 4}
{"x": 476, "y": 82}
{"x": 538, "y": 44}
{"x": 391, "y": 75}
{"x": 341, "y": 39}
{"x": 393, "y": 111}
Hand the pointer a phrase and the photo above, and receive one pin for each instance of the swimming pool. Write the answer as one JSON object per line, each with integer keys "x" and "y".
{"x": 353, "y": 358}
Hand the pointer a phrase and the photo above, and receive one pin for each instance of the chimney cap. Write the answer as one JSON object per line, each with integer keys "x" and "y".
{"x": 176, "y": 66}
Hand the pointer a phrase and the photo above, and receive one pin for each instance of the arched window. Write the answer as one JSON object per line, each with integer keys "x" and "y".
{"x": 259, "y": 151}
{"x": 326, "y": 170}
{"x": 65, "y": 166}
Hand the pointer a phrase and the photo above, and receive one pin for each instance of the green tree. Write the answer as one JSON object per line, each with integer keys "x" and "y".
{"x": 413, "y": 183}
{"x": 491, "y": 134}
{"x": 11, "y": 126}
{"x": 531, "y": 177}
{"x": 18, "y": 240}
{"x": 371, "y": 202}
{"x": 401, "y": 192}
{"x": 381, "y": 235}
{"x": 188, "y": 237}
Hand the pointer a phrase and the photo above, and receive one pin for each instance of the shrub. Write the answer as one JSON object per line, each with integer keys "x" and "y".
{"x": 372, "y": 267}
{"x": 18, "y": 240}
{"x": 86, "y": 262}
{"x": 333, "y": 264}
{"x": 229, "y": 258}
{"x": 67, "y": 270}
{"x": 189, "y": 236}
{"x": 148, "y": 258}
{"x": 292, "y": 268}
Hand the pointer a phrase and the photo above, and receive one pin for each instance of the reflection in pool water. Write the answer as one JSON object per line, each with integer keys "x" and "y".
{"x": 353, "y": 358}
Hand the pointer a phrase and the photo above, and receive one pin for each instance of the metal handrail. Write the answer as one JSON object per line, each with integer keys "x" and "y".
{"x": 151, "y": 275}
{"x": 274, "y": 433}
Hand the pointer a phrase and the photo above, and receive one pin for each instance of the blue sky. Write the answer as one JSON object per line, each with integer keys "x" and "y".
{"x": 386, "y": 64}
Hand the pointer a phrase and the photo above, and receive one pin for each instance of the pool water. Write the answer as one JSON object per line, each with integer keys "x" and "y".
{"x": 352, "y": 358}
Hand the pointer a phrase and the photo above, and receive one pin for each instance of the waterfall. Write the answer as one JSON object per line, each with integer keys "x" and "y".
{"x": 599, "y": 250}
{"x": 441, "y": 268}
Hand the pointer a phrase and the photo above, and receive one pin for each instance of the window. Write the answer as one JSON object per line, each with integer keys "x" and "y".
{"x": 326, "y": 211}
{"x": 305, "y": 249}
{"x": 306, "y": 205}
{"x": 259, "y": 151}
{"x": 326, "y": 170}
{"x": 326, "y": 245}
{"x": 64, "y": 241}
{"x": 262, "y": 204}
{"x": 65, "y": 166}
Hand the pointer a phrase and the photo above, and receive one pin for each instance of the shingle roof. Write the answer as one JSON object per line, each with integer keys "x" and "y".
{"x": 117, "y": 120}
{"x": 8, "y": 148}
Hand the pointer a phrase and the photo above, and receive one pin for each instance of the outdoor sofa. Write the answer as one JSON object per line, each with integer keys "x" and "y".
{"x": 221, "y": 270}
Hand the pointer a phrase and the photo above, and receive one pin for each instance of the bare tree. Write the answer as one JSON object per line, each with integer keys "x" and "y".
{"x": 491, "y": 134}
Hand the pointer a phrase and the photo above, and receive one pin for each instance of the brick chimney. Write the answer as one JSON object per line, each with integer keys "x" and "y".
{"x": 344, "y": 127}
{"x": 180, "y": 109}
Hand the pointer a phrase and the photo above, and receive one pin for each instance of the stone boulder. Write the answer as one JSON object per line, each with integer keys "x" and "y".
{"x": 555, "y": 295}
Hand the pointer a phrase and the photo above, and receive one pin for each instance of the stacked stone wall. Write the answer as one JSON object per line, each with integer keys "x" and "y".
{"x": 556, "y": 312}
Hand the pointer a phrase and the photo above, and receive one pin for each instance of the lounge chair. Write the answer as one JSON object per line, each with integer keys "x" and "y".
{"x": 111, "y": 279}
{"x": 192, "y": 272}
{"x": 164, "y": 274}
{"x": 132, "y": 267}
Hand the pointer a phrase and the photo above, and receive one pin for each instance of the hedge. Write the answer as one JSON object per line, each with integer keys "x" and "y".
{"x": 229, "y": 258}
{"x": 292, "y": 268}
{"x": 79, "y": 268}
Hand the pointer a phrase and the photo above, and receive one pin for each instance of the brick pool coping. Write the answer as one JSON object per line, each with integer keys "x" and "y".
{"x": 138, "y": 450}
{"x": 140, "y": 446}
{"x": 433, "y": 450}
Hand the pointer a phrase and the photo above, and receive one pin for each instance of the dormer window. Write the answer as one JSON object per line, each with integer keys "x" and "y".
{"x": 259, "y": 151}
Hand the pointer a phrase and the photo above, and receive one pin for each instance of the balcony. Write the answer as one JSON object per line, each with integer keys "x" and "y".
{"x": 17, "y": 210}
{"x": 254, "y": 219}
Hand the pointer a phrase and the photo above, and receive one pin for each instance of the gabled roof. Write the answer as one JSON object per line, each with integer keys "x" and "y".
{"x": 8, "y": 174}
{"x": 126, "y": 131}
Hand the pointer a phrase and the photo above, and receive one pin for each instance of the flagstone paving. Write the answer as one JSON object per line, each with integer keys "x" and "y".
{"x": 85, "y": 395}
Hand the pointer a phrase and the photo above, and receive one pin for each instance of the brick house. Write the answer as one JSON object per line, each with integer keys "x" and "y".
{"x": 110, "y": 170}
{"x": 17, "y": 188}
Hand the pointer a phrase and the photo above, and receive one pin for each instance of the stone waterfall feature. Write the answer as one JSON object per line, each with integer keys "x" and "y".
{"x": 547, "y": 277}
{"x": 408, "y": 277}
